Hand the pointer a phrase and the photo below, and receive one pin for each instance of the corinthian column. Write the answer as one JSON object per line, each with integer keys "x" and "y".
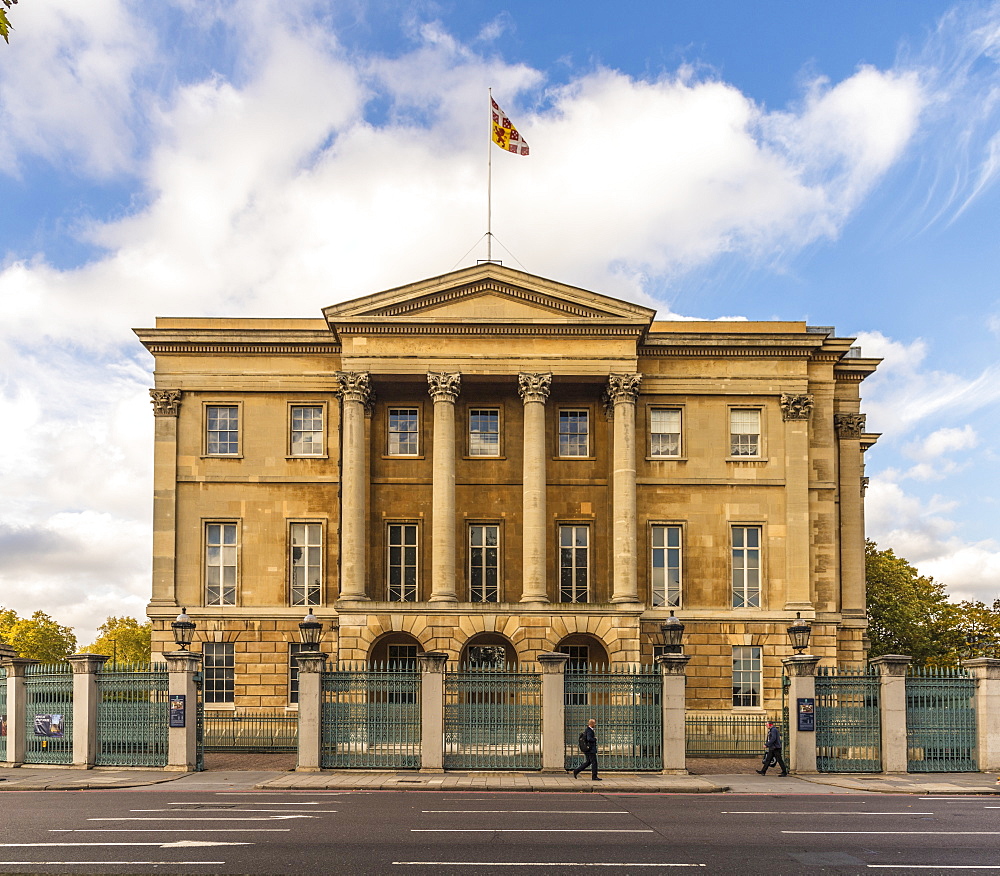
{"x": 355, "y": 392}
{"x": 622, "y": 391}
{"x": 444, "y": 389}
{"x": 534, "y": 390}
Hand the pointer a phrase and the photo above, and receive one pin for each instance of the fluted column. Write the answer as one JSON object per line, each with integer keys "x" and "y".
{"x": 534, "y": 390}
{"x": 355, "y": 392}
{"x": 622, "y": 391}
{"x": 444, "y": 389}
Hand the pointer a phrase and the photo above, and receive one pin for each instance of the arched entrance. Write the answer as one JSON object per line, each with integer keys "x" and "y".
{"x": 395, "y": 651}
{"x": 584, "y": 651}
{"x": 489, "y": 651}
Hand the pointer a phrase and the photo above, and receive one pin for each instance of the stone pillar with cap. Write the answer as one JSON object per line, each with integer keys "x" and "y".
{"x": 892, "y": 700}
{"x": 800, "y": 747}
{"x": 432, "y": 666}
{"x": 17, "y": 708}
{"x": 85, "y": 700}
{"x": 672, "y": 670}
{"x": 310, "y": 753}
{"x": 444, "y": 389}
{"x": 553, "y": 711}
{"x": 182, "y": 742}
{"x": 534, "y": 391}
{"x": 986, "y": 672}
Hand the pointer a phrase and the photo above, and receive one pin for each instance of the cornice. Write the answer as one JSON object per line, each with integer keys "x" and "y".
{"x": 238, "y": 341}
{"x": 509, "y": 329}
{"x": 261, "y": 349}
{"x": 729, "y": 351}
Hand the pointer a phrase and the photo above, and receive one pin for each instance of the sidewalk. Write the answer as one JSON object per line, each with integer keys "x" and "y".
{"x": 49, "y": 779}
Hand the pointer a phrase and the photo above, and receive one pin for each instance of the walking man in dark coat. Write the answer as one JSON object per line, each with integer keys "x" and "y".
{"x": 590, "y": 740}
{"x": 773, "y": 746}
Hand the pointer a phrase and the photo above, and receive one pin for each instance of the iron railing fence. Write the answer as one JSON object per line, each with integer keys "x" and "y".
{"x": 132, "y": 720}
{"x": 626, "y": 703}
{"x": 723, "y": 734}
{"x": 3, "y": 716}
{"x": 48, "y": 689}
{"x": 493, "y": 718}
{"x": 940, "y": 720}
{"x": 848, "y": 723}
{"x": 371, "y": 717}
{"x": 250, "y": 731}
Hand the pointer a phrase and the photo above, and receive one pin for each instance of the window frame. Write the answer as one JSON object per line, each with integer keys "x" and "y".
{"x": 759, "y": 410}
{"x": 294, "y": 649}
{"x": 653, "y": 548}
{"x": 213, "y": 673}
{"x": 290, "y": 451}
{"x": 291, "y": 563}
{"x": 470, "y": 548}
{"x": 206, "y": 451}
{"x": 388, "y": 561}
{"x": 589, "y": 415}
{"x": 746, "y": 527}
{"x": 206, "y": 545}
{"x": 474, "y": 409}
{"x": 389, "y": 410}
{"x": 755, "y": 673}
{"x": 650, "y": 411}
{"x": 575, "y": 525}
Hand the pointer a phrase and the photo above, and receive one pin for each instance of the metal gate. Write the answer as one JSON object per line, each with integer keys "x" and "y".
{"x": 848, "y": 725}
{"x": 371, "y": 718}
{"x": 940, "y": 720}
{"x": 49, "y": 719}
{"x": 626, "y": 703}
{"x": 492, "y": 719}
{"x": 722, "y": 734}
{"x": 251, "y": 731}
{"x": 132, "y": 723}
{"x": 3, "y": 715}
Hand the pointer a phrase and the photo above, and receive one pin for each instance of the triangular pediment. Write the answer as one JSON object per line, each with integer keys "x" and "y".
{"x": 487, "y": 294}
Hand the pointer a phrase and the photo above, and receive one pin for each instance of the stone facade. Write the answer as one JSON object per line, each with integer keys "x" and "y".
{"x": 492, "y": 458}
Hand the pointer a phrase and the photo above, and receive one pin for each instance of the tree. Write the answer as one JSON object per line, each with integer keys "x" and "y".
{"x": 123, "y": 639}
{"x": 909, "y": 613}
{"x": 5, "y": 27}
{"x": 38, "y": 637}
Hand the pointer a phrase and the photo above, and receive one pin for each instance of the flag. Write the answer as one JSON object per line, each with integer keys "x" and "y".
{"x": 505, "y": 135}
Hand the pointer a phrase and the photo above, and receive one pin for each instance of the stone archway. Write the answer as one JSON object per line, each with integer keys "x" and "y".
{"x": 396, "y": 650}
{"x": 584, "y": 651}
{"x": 488, "y": 650}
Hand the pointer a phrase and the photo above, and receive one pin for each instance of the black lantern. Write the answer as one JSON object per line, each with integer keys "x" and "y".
{"x": 183, "y": 629}
{"x": 672, "y": 634}
{"x": 310, "y": 631}
{"x": 798, "y": 634}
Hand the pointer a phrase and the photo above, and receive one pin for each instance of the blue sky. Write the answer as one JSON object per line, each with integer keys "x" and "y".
{"x": 833, "y": 162}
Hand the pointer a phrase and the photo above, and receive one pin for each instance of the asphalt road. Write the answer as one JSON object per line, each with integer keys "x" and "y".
{"x": 166, "y": 829}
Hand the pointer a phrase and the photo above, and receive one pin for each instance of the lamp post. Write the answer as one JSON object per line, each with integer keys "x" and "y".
{"x": 798, "y": 634}
{"x": 183, "y": 629}
{"x": 310, "y": 632}
{"x": 672, "y": 635}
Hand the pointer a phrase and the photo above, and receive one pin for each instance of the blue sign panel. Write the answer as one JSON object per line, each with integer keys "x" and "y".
{"x": 807, "y": 714}
{"x": 178, "y": 708}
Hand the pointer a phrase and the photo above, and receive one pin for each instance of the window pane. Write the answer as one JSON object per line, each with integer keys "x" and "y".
{"x": 307, "y": 430}
{"x": 574, "y": 433}
{"x": 484, "y": 432}
{"x": 403, "y": 432}
{"x": 666, "y": 562}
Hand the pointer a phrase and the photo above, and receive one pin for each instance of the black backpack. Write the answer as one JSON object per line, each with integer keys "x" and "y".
{"x": 583, "y": 742}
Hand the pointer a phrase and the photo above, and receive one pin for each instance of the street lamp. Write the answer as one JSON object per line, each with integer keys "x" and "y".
{"x": 672, "y": 634}
{"x": 310, "y": 631}
{"x": 183, "y": 629}
{"x": 798, "y": 634}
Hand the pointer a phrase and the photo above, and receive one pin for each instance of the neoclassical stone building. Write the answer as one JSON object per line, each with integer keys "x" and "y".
{"x": 495, "y": 465}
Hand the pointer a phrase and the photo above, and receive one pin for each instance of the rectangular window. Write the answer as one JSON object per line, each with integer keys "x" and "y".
{"x": 402, "y": 562}
{"x": 403, "y": 424}
{"x": 402, "y": 658}
{"x": 484, "y": 563}
{"x": 307, "y": 430}
{"x": 747, "y": 676}
{"x": 220, "y": 563}
{"x": 744, "y": 432}
{"x": 574, "y": 433}
{"x": 746, "y": 567}
{"x": 294, "y": 649}
{"x": 666, "y": 565}
{"x": 578, "y": 664}
{"x": 222, "y": 424}
{"x": 306, "y": 558}
{"x": 484, "y": 432}
{"x": 574, "y": 563}
{"x": 664, "y": 432}
{"x": 219, "y": 672}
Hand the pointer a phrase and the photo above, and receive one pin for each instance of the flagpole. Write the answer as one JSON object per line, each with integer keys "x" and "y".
{"x": 489, "y": 184}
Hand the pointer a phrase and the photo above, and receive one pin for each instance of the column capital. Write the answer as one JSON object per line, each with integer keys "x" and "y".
{"x": 444, "y": 386}
{"x": 796, "y": 407}
{"x": 622, "y": 388}
{"x": 534, "y": 387}
{"x": 553, "y": 662}
{"x": 432, "y": 661}
{"x": 166, "y": 402}
{"x": 849, "y": 425}
{"x": 892, "y": 664}
{"x": 673, "y": 664}
{"x": 84, "y": 664}
{"x": 355, "y": 386}
{"x": 800, "y": 665}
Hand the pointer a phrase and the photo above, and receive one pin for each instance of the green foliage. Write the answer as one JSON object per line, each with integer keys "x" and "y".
{"x": 123, "y": 639}
{"x": 5, "y": 26}
{"x": 38, "y": 637}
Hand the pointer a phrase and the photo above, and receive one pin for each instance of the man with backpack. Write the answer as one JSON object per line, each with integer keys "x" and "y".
{"x": 588, "y": 745}
{"x": 773, "y": 746}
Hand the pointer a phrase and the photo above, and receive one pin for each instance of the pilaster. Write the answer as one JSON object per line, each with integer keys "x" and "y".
{"x": 166, "y": 409}
{"x": 795, "y": 412}
{"x": 849, "y": 428}
{"x": 355, "y": 394}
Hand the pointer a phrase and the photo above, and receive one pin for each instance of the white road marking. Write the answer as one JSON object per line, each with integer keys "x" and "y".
{"x": 539, "y": 811}
{"x": 178, "y": 844}
{"x": 765, "y": 812}
{"x": 310, "y": 815}
{"x": 103, "y": 863}
{"x": 529, "y": 830}
{"x": 193, "y": 820}
{"x": 170, "y": 830}
{"x": 531, "y": 864}
{"x": 934, "y": 866}
{"x": 901, "y": 832}
{"x": 242, "y": 803}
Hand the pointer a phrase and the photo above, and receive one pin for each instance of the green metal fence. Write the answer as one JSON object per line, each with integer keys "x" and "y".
{"x": 940, "y": 720}
{"x": 848, "y": 726}
{"x": 722, "y": 734}
{"x": 132, "y": 722}
{"x": 626, "y": 703}
{"x": 493, "y": 718}
{"x": 49, "y": 719}
{"x": 371, "y": 717}
{"x": 3, "y": 714}
{"x": 250, "y": 731}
